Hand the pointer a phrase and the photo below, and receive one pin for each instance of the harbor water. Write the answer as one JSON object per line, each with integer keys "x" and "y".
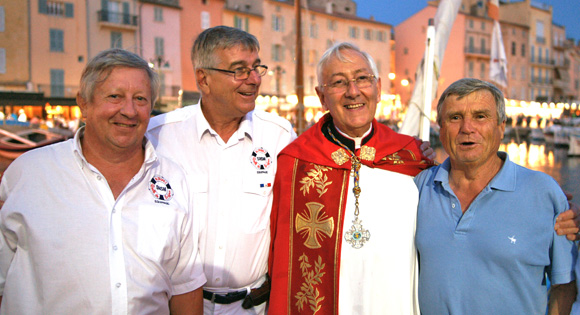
{"x": 538, "y": 156}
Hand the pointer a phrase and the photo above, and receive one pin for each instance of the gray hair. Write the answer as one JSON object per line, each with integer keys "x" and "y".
{"x": 336, "y": 51}
{"x": 218, "y": 38}
{"x": 466, "y": 86}
{"x": 99, "y": 68}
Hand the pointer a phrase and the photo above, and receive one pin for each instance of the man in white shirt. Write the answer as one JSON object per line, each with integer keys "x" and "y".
{"x": 229, "y": 151}
{"x": 100, "y": 224}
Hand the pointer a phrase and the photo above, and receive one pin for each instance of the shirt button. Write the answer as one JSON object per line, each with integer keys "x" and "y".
{"x": 114, "y": 210}
{"x": 221, "y": 247}
{"x": 217, "y": 279}
{"x": 453, "y": 205}
{"x": 118, "y": 285}
{"x": 114, "y": 247}
{"x": 99, "y": 177}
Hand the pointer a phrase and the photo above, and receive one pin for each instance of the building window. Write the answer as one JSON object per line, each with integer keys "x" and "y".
{"x": 547, "y": 56}
{"x": 2, "y": 19}
{"x": 532, "y": 54}
{"x": 328, "y": 43}
{"x": 523, "y": 73}
{"x": 367, "y": 34}
{"x": 158, "y": 14}
{"x": 241, "y": 23}
{"x": 312, "y": 57}
{"x": 381, "y": 36}
{"x": 483, "y": 25}
{"x": 483, "y": 46}
{"x": 56, "y": 40}
{"x": 2, "y": 60}
{"x": 277, "y": 23}
{"x": 331, "y": 25}
{"x": 470, "y": 23}
{"x": 353, "y": 32}
{"x": 523, "y": 50}
{"x": 313, "y": 31}
{"x": 116, "y": 40}
{"x": 532, "y": 75}
{"x": 470, "y": 70}
{"x": 205, "y": 21}
{"x": 56, "y": 83}
{"x": 277, "y": 53}
{"x": 482, "y": 68}
{"x": 540, "y": 54}
{"x": 540, "y": 37}
{"x": 471, "y": 44}
{"x": 159, "y": 46}
{"x": 513, "y": 48}
{"x": 405, "y": 51}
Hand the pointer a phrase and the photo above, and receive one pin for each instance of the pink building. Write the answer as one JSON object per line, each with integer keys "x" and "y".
{"x": 159, "y": 39}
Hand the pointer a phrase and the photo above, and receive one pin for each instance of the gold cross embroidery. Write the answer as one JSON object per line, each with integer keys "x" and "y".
{"x": 312, "y": 226}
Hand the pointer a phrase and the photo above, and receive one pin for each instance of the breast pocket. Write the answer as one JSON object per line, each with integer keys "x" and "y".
{"x": 254, "y": 212}
{"x": 159, "y": 228}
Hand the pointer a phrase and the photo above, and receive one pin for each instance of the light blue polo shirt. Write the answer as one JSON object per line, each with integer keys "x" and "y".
{"x": 493, "y": 258}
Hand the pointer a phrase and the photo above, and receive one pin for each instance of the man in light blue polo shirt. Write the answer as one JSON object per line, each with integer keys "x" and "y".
{"x": 485, "y": 227}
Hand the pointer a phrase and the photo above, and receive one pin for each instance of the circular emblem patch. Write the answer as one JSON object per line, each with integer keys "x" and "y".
{"x": 160, "y": 188}
{"x": 261, "y": 159}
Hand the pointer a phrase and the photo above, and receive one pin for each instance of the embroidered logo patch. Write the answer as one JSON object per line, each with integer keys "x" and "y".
{"x": 160, "y": 189}
{"x": 261, "y": 159}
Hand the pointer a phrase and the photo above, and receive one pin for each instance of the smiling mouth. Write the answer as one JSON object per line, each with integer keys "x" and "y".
{"x": 125, "y": 125}
{"x": 467, "y": 143}
{"x": 247, "y": 93}
{"x": 354, "y": 106}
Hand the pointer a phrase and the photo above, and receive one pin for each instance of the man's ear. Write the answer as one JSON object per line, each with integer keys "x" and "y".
{"x": 202, "y": 79}
{"x": 82, "y": 104}
{"x": 321, "y": 97}
{"x": 379, "y": 89}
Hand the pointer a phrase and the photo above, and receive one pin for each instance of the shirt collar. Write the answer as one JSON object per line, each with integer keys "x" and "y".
{"x": 150, "y": 154}
{"x": 505, "y": 179}
{"x": 203, "y": 126}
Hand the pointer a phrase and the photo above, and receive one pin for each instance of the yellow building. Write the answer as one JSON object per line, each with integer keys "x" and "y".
{"x": 14, "y": 45}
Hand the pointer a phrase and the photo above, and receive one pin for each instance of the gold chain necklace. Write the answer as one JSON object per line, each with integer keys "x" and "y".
{"x": 357, "y": 235}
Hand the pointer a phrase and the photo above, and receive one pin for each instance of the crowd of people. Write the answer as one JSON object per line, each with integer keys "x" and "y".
{"x": 218, "y": 208}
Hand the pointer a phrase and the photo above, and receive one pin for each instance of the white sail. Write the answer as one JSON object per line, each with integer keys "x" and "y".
{"x": 444, "y": 19}
{"x": 498, "y": 60}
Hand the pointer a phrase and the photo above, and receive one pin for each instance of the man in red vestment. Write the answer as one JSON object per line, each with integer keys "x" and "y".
{"x": 344, "y": 209}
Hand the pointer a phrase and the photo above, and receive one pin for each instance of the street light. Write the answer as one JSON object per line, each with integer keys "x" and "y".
{"x": 156, "y": 64}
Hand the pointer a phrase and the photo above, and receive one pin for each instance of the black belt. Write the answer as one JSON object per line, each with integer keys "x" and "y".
{"x": 224, "y": 298}
{"x": 254, "y": 298}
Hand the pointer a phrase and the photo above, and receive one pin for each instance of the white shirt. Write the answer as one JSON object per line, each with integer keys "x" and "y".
{"x": 232, "y": 185}
{"x": 67, "y": 246}
{"x": 382, "y": 276}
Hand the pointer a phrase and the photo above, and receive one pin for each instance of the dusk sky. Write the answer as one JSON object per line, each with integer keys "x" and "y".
{"x": 565, "y": 12}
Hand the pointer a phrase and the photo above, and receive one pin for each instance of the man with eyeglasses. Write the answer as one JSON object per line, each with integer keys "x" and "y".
{"x": 229, "y": 151}
{"x": 345, "y": 204}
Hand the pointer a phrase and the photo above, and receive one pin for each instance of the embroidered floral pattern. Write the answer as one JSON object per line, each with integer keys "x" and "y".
{"x": 316, "y": 177}
{"x": 309, "y": 294}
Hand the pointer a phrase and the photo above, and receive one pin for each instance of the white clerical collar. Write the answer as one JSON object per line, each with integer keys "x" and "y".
{"x": 357, "y": 140}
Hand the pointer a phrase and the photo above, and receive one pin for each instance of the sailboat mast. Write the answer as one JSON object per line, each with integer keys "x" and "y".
{"x": 300, "y": 123}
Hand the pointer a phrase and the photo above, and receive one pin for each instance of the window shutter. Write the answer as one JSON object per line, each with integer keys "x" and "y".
{"x": 69, "y": 10}
{"x": 42, "y": 8}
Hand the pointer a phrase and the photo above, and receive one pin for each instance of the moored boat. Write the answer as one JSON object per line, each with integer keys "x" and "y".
{"x": 12, "y": 145}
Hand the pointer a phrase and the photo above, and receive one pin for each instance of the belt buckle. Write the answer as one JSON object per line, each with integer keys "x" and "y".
{"x": 213, "y": 297}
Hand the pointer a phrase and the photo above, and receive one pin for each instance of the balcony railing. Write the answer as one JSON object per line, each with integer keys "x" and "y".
{"x": 117, "y": 18}
{"x": 57, "y": 90}
{"x": 477, "y": 50}
{"x": 540, "y": 40}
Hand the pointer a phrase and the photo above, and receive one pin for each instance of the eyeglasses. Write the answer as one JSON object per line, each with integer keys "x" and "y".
{"x": 341, "y": 84}
{"x": 244, "y": 72}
